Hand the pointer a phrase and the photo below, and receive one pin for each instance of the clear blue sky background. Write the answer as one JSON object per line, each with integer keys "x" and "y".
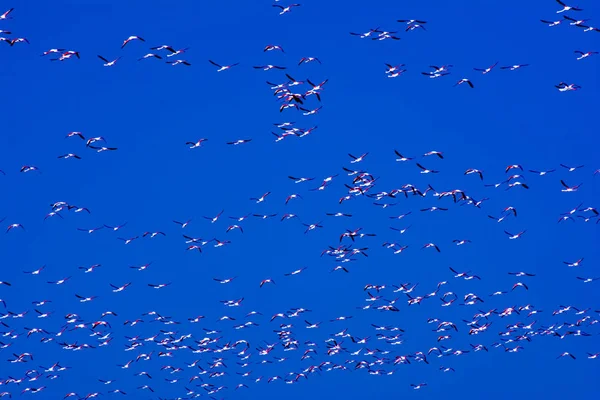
{"x": 149, "y": 109}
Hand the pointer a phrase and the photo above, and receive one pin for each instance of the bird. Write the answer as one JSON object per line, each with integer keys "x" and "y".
{"x": 75, "y": 134}
{"x": 300, "y": 180}
{"x": 519, "y": 284}
{"x": 521, "y": 274}
{"x": 159, "y": 286}
{"x": 515, "y": 236}
{"x": 261, "y": 198}
{"x": 438, "y": 71}
{"x": 366, "y": 34}
{"x": 92, "y": 230}
{"x": 306, "y": 60}
{"x": 573, "y": 264}
{"x": 551, "y": 23}
{"x": 224, "y": 281}
{"x": 583, "y": 55}
{"x": 150, "y": 55}
{"x": 271, "y": 47}
{"x": 287, "y": 9}
{"x": 117, "y": 289}
{"x": 51, "y": 51}
{"x": 401, "y": 157}
{"x": 514, "y": 67}
{"x": 474, "y": 171}
{"x": 67, "y": 55}
{"x": 36, "y": 272}
{"x": 292, "y": 196}
{"x": 179, "y": 62}
{"x": 564, "y": 87}
{"x": 296, "y": 272}
{"x": 587, "y": 280}
{"x": 568, "y": 188}
{"x": 115, "y": 228}
{"x": 268, "y": 67}
{"x": 239, "y": 141}
{"x": 571, "y": 169}
{"x": 14, "y": 226}
{"x": 216, "y": 217}
{"x": 12, "y": 42}
{"x": 566, "y": 7}
{"x": 465, "y": 80}
{"x": 174, "y": 52}
{"x": 428, "y": 245}
{"x": 6, "y": 14}
{"x": 412, "y": 21}
{"x": 183, "y": 224}
{"x": 357, "y": 159}
{"x": 131, "y": 38}
{"x": 542, "y": 173}
{"x": 439, "y": 154}
{"x": 487, "y": 70}
{"x": 414, "y": 26}
{"x": 222, "y": 67}
{"x": 566, "y": 354}
{"x": 575, "y": 22}
{"x": 426, "y": 171}
{"x": 28, "y": 168}
{"x": 232, "y": 227}
{"x": 109, "y": 63}
{"x": 196, "y": 144}
{"x": 265, "y": 281}
{"x": 418, "y": 386}
{"x": 70, "y": 155}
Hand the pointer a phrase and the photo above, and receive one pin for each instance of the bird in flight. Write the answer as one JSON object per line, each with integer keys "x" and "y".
{"x": 486, "y": 70}
{"x": 286, "y": 9}
{"x": 222, "y": 67}
{"x": 567, "y": 8}
{"x": 109, "y": 63}
{"x": 131, "y": 38}
{"x": 6, "y": 15}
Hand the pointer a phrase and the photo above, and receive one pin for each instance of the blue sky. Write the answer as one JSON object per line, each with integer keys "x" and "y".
{"x": 149, "y": 110}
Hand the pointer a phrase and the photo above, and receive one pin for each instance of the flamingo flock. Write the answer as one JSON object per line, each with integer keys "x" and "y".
{"x": 109, "y": 319}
